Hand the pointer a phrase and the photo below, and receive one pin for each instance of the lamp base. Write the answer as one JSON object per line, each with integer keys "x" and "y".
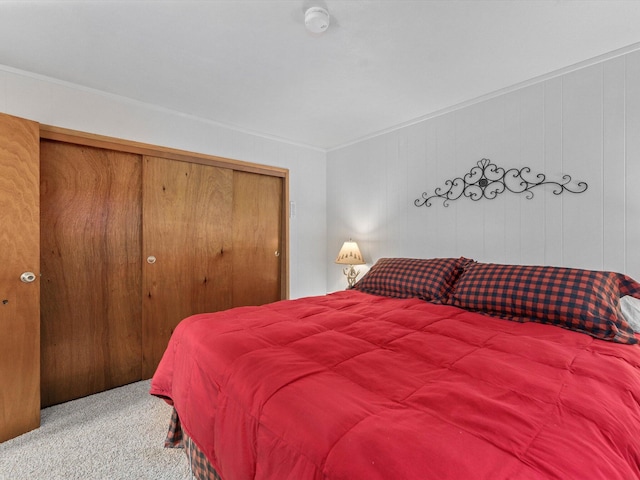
{"x": 351, "y": 274}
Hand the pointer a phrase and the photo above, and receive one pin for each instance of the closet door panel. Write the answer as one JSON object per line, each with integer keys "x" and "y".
{"x": 91, "y": 270}
{"x": 187, "y": 214}
{"x": 19, "y": 301}
{"x": 257, "y": 243}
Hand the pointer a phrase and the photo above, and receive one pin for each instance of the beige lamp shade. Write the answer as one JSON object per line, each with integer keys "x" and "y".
{"x": 350, "y": 254}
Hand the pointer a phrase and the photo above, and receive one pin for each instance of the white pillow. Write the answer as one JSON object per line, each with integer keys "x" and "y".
{"x": 630, "y": 307}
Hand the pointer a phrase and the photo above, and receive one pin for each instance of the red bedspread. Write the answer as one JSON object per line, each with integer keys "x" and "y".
{"x": 355, "y": 386}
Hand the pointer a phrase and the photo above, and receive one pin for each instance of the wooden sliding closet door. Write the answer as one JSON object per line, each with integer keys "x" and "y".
{"x": 91, "y": 270}
{"x": 19, "y": 300}
{"x": 257, "y": 232}
{"x": 187, "y": 239}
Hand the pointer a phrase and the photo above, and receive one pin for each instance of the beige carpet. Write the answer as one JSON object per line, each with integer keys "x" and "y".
{"x": 115, "y": 435}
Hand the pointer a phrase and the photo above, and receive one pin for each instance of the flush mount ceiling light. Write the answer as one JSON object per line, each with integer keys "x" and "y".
{"x": 316, "y": 19}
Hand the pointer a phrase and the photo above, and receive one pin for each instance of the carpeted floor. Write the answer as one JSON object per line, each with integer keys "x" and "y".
{"x": 114, "y": 435}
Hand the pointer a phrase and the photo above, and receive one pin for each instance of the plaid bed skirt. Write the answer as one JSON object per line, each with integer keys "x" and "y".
{"x": 201, "y": 469}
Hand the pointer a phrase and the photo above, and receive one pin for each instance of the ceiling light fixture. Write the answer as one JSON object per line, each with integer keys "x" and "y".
{"x": 316, "y": 19}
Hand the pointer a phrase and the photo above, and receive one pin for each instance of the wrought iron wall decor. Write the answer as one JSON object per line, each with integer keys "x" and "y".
{"x": 488, "y": 180}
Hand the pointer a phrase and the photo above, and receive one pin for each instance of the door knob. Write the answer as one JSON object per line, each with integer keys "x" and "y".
{"x": 151, "y": 259}
{"x": 28, "y": 277}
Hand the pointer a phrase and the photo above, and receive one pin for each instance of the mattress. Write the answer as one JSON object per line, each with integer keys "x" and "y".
{"x": 353, "y": 385}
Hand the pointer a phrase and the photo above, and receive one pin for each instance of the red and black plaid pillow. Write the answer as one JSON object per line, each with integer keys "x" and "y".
{"x": 587, "y": 301}
{"x": 430, "y": 279}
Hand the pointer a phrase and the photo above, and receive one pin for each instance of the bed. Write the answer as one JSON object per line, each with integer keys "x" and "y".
{"x": 442, "y": 368}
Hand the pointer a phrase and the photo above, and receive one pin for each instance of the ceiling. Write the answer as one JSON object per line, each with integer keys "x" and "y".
{"x": 251, "y": 65}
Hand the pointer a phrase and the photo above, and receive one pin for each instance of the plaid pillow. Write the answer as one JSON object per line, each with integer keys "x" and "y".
{"x": 587, "y": 301}
{"x": 429, "y": 279}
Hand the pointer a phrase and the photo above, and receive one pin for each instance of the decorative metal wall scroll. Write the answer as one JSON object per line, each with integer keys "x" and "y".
{"x": 487, "y": 180}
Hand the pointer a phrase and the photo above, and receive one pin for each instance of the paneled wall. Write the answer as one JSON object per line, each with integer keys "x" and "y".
{"x": 585, "y": 123}
{"x": 65, "y": 105}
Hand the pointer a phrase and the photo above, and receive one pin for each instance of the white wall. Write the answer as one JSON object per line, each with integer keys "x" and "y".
{"x": 585, "y": 123}
{"x": 65, "y": 105}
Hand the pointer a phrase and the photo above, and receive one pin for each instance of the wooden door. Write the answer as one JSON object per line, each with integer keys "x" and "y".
{"x": 257, "y": 238}
{"x": 91, "y": 270}
{"x": 19, "y": 301}
{"x": 187, "y": 213}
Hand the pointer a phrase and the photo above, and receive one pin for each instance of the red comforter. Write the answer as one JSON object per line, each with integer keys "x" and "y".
{"x": 355, "y": 386}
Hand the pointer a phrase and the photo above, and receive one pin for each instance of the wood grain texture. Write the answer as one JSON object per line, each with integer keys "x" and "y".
{"x": 19, "y": 302}
{"x": 88, "y": 139}
{"x": 188, "y": 229}
{"x": 257, "y": 245}
{"x": 91, "y": 270}
{"x": 96, "y": 284}
{"x": 110, "y": 143}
